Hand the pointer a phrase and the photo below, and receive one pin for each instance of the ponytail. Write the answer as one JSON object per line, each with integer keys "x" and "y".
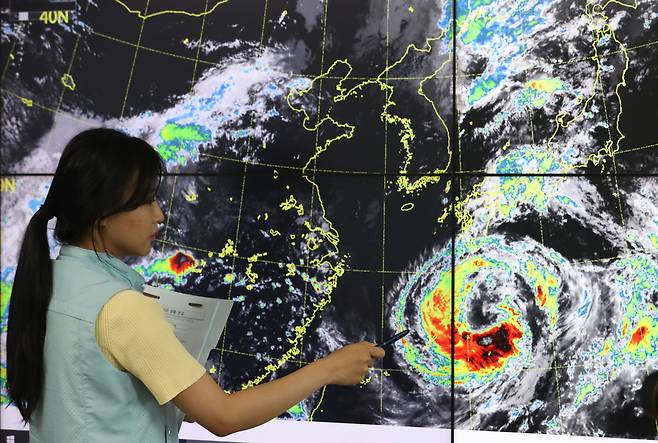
{"x": 28, "y": 304}
{"x": 98, "y": 166}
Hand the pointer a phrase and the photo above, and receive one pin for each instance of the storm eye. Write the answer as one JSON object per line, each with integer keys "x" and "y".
{"x": 485, "y": 341}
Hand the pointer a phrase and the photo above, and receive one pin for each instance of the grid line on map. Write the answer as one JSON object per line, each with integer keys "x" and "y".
{"x": 462, "y": 174}
{"x": 198, "y": 48}
{"x": 612, "y": 153}
{"x": 230, "y": 288}
{"x": 70, "y": 66}
{"x": 453, "y": 222}
{"x": 557, "y": 383}
{"x": 173, "y": 188}
{"x": 237, "y": 228}
{"x": 262, "y": 28}
{"x": 168, "y": 217}
{"x": 60, "y": 99}
{"x": 313, "y": 183}
{"x": 211, "y": 63}
{"x": 555, "y": 362}
{"x": 360, "y": 270}
{"x": 10, "y": 56}
{"x": 132, "y": 67}
{"x": 541, "y": 234}
{"x": 457, "y": 124}
{"x": 269, "y": 358}
{"x": 459, "y": 151}
{"x": 383, "y": 275}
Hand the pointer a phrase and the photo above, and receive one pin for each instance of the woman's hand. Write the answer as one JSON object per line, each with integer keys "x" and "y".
{"x": 349, "y": 365}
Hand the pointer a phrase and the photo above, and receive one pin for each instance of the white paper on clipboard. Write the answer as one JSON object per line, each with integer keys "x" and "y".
{"x": 198, "y": 321}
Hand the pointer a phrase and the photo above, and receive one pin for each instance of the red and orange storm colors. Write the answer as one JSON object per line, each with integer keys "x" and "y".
{"x": 180, "y": 263}
{"x": 479, "y": 352}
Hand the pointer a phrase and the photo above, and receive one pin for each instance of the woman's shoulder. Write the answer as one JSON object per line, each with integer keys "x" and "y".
{"x": 130, "y": 301}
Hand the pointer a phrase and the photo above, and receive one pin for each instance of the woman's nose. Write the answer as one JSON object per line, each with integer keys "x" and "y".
{"x": 159, "y": 214}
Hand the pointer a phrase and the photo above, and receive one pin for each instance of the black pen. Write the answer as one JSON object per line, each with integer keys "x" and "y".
{"x": 393, "y": 339}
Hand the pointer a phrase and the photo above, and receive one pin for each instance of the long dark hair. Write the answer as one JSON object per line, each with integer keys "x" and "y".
{"x": 96, "y": 170}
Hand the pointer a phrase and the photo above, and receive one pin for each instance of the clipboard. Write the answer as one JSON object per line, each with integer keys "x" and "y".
{"x": 198, "y": 321}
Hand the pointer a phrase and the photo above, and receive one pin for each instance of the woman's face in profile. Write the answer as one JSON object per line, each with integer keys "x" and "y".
{"x": 130, "y": 233}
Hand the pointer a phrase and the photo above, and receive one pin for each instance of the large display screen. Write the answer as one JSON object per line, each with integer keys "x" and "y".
{"x": 483, "y": 173}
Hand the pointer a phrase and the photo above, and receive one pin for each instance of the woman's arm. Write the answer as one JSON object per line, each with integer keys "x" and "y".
{"x": 223, "y": 414}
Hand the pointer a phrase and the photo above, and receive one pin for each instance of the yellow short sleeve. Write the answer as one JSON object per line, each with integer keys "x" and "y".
{"x": 133, "y": 334}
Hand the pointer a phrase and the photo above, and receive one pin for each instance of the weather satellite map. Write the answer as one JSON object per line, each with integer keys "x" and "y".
{"x": 346, "y": 169}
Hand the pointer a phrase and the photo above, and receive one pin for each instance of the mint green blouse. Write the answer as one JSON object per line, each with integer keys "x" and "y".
{"x": 86, "y": 399}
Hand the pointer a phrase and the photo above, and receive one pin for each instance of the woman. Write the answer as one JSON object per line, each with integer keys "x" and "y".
{"x": 89, "y": 359}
